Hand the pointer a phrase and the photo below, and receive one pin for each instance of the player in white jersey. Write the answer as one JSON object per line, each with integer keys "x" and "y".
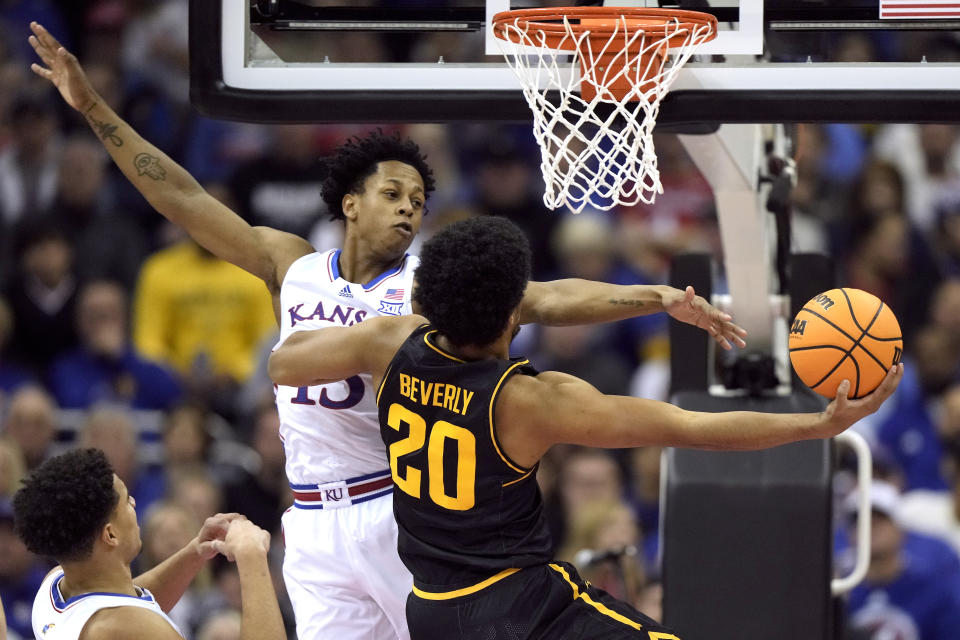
{"x": 76, "y": 510}
{"x": 341, "y": 566}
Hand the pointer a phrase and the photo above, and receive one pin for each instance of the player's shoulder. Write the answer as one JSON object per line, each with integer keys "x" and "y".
{"x": 283, "y": 249}
{"x": 393, "y": 328}
{"x": 525, "y": 392}
{"x": 128, "y": 623}
{"x": 289, "y": 244}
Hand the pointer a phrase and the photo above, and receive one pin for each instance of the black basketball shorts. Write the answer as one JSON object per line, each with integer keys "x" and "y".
{"x": 547, "y": 602}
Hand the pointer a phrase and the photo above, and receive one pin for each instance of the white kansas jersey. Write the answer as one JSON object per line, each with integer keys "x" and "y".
{"x": 331, "y": 432}
{"x": 56, "y": 618}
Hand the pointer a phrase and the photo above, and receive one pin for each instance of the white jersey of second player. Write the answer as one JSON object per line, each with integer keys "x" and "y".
{"x": 331, "y": 432}
{"x": 59, "y": 618}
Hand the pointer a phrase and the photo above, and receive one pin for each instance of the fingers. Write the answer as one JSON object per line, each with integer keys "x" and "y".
{"x": 46, "y": 74}
{"x": 45, "y": 36}
{"x": 45, "y": 54}
{"x": 227, "y": 518}
{"x": 223, "y": 549}
{"x": 843, "y": 390}
{"x": 207, "y": 550}
{"x": 890, "y": 381}
{"x": 728, "y": 335}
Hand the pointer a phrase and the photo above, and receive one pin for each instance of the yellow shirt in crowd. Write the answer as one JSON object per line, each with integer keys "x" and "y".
{"x": 193, "y": 309}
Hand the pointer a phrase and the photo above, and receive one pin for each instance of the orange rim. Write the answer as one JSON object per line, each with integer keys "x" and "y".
{"x": 550, "y": 22}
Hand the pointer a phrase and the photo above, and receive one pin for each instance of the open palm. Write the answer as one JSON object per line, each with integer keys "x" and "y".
{"x": 62, "y": 69}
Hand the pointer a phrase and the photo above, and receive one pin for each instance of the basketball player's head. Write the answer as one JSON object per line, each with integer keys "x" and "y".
{"x": 471, "y": 279}
{"x": 378, "y": 184}
{"x": 74, "y": 503}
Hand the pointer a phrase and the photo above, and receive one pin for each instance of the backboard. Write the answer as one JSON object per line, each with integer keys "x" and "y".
{"x": 437, "y": 61}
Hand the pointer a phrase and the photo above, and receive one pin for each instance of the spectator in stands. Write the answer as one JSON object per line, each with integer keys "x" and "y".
{"x": 222, "y": 625}
{"x": 31, "y": 423}
{"x": 43, "y": 297}
{"x": 586, "y": 352}
{"x": 112, "y": 430}
{"x": 166, "y": 529}
{"x": 928, "y": 156}
{"x": 106, "y": 367}
{"x": 644, "y": 496}
{"x": 937, "y": 513}
{"x": 106, "y": 245}
{"x": 886, "y": 261}
{"x": 585, "y": 246}
{"x": 263, "y": 495}
{"x": 195, "y": 491}
{"x": 507, "y": 184}
{"x": 13, "y": 468}
{"x": 155, "y": 45}
{"x": 604, "y": 541}
{"x": 585, "y": 476}
{"x": 282, "y": 188}
{"x": 186, "y": 440}
{"x": 912, "y": 588}
{"x": 202, "y": 316}
{"x": 905, "y": 429}
{"x": 20, "y": 575}
{"x": 876, "y": 191}
{"x": 29, "y": 166}
{"x": 12, "y": 375}
{"x": 197, "y": 440}
{"x": 16, "y": 15}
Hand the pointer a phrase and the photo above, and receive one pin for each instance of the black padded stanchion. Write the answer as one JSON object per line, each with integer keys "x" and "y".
{"x": 747, "y": 535}
{"x": 688, "y": 344}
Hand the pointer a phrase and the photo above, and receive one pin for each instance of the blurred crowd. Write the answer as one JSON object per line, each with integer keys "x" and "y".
{"x": 118, "y": 332}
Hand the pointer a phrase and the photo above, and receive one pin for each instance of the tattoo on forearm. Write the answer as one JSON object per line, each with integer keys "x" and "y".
{"x": 105, "y": 130}
{"x": 148, "y": 165}
{"x": 627, "y": 303}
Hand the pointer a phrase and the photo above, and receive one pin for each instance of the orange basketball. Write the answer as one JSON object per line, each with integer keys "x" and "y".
{"x": 844, "y": 334}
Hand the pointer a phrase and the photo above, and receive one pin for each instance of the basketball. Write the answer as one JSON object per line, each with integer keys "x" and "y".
{"x": 844, "y": 334}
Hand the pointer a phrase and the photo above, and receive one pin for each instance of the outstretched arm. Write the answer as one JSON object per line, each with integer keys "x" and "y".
{"x": 266, "y": 253}
{"x": 325, "y": 355}
{"x": 575, "y": 301}
{"x": 535, "y": 413}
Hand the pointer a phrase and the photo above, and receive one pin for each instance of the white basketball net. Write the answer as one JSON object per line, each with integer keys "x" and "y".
{"x": 590, "y": 157}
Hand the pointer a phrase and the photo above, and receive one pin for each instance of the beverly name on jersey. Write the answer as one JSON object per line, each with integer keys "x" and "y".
{"x": 437, "y": 394}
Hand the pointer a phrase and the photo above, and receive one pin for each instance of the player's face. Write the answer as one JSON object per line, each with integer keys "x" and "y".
{"x": 386, "y": 216}
{"x": 124, "y": 519}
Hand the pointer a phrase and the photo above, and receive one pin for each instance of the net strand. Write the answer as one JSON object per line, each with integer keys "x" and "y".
{"x": 589, "y": 156}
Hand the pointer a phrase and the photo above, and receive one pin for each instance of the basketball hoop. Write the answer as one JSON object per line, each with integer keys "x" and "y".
{"x": 628, "y": 58}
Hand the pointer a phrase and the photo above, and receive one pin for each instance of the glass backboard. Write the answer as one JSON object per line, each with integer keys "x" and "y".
{"x": 437, "y": 61}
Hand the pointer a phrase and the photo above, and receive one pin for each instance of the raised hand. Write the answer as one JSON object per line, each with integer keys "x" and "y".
{"x": 242, "y": 536}
{"x": 687, "y": 306}
{"x": 843, "y": 412}
{"x": 214, "y": 529}
{"x": 62, "y": 70}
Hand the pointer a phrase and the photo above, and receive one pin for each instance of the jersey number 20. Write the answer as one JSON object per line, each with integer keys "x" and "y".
{"x": 409, "y": 479}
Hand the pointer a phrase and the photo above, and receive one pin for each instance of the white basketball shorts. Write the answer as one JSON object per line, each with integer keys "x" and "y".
{"x": 343, "y": 574}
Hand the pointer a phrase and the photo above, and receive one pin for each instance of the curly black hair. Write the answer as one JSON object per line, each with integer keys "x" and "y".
{"x": 356, "y": 160}
{"x": 63, "y": 505}
{"x": 471, "y": 277}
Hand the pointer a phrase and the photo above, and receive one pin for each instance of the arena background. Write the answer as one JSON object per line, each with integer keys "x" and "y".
{"x": 117, "y": 332}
